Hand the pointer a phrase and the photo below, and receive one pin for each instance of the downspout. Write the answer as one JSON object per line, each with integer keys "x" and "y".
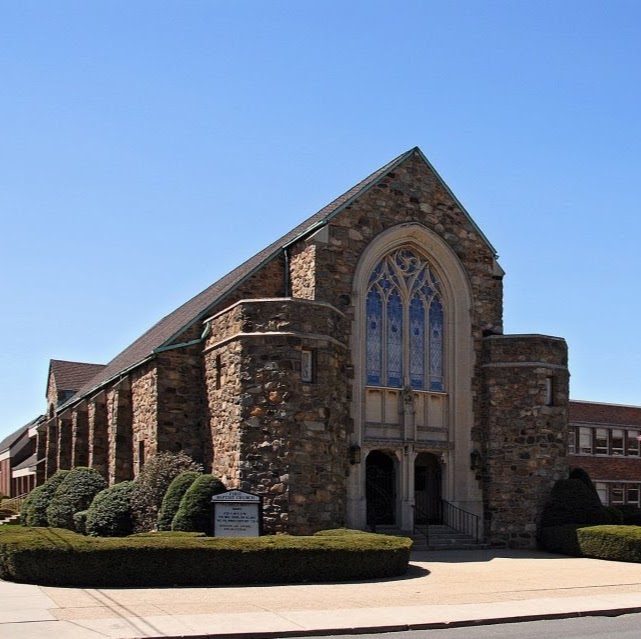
{"x": 287, "y": 283}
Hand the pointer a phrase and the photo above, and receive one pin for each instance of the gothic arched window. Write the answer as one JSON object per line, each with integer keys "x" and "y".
{"x": 404, "y": 315}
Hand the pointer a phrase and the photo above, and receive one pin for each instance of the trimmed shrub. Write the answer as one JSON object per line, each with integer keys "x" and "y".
{"x": 561, "y": 539}
{"x": 582, "y": 475}
{"x": 64, "y": 558}
{"x": 194, "y": 513}
{"x": 152, "y": 484}
{"x": 80, "y": 522}
{"x": 75, "y": 493}
{"x": 631, "y": 514}
{"x": 35, "y": 506}
{"x": 110, "y": 512}
{"x": 173, "y": 496}
{"x": 572, "y": 502}
{"x": 616, "y": 543}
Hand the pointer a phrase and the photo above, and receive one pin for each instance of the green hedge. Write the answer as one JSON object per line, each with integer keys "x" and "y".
{"x": 58, "y": 557}
{"x": 618, "y": 543}
{"x": 110, "y": 512}
{"x": 173, "y": 496}
{"x": 75, "y": 493}
{"x": 34, "y": 509}
{"x": 195, "y": 511}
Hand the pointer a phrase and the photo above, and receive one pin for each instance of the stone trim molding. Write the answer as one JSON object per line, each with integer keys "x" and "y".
{"x": 560, "y": 367}
{"x": 305, "y": 336}
{"x": 298, "y": 300}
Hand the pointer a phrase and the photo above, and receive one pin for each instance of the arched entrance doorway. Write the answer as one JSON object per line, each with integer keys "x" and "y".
{"x": 427, "y": 489}
{"x": 380, "y": 489}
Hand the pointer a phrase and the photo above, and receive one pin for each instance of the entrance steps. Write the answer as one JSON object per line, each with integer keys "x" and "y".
{"x": 441, "y": 537}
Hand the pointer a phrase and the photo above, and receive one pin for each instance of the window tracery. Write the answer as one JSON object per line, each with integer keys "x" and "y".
{"x": 405, "y": 320}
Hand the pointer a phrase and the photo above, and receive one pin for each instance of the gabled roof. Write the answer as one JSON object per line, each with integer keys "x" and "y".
{"x": 174, "y": 324}
{"x": 16, "y": 436}
{"x": 72, "y": 376}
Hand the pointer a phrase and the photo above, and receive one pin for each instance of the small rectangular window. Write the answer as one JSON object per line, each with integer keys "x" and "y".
{"x": 617, "y": 494}
{"x": 601, "y": 441}
{"x": 307, "y": 365}
{"x": 632, "y": 494}
{"x": 585, "y": 440}
{"x": 572, "y": 441}
{"x": 616, "y": 442}
{"x": 549, "y": 391}
{"x": 632, "y": 444}
{"x": 602, "y": 490}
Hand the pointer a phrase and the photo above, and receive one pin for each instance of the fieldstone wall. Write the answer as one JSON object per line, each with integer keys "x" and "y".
{"x": 64, "y": 442}
{"x": 524, "y": 433}
{"x": 144, "y": 405}
{"x": 302, "y": 270}
{"x": 41, "y": 448}
{"x": 119, "y": 418}
{"x": 181, "y": 399}
{"x": 98, "y": 435}
{"x": 51, "y": 453}
{"x": 272, "y": 433}
{"x": 80, "y": 436}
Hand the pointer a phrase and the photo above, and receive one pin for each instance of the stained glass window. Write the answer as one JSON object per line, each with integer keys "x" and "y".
{"x": 405, "y": 324}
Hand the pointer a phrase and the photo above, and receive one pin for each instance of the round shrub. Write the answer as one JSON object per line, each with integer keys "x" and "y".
{"x": 110, "y": 512}
{"x": 194, "y": 513}
{"x": 34, "y": 510}
{"x": 152, "y": 483}
{"x": 80, "y": 522}
{"x": 173, "y": 496}
{"x": 75, "y": 493}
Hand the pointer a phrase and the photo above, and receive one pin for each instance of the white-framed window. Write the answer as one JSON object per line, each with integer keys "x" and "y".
{"x": 604, "y": 441}
{"x": 617, "y": 493}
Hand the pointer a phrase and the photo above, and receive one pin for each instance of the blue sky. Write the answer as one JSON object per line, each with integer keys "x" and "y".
{"x": 150, "y": 147}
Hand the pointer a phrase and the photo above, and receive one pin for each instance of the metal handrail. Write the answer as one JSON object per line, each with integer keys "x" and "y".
{"x": 416, "y": 528}
{"x": 13, "y": 503}
{"x": 461, "y": 520}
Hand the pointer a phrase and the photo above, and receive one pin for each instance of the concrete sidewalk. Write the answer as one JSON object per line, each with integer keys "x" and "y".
{"x": 441, "y": 589}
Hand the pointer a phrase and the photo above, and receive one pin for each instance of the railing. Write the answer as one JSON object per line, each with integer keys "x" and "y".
{"x": 13, "y": 504}
{"x": 460, "y": 519}
{"x": 425, "y": 530}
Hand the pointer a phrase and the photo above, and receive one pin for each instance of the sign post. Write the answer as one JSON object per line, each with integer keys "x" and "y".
{"x": 237, "y": 514}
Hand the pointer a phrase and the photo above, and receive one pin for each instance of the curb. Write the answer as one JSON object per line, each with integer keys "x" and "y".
{"x": 436, "y": 625}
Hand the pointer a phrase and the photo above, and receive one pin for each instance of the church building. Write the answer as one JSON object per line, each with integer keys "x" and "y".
{"x": 353, "y": 373}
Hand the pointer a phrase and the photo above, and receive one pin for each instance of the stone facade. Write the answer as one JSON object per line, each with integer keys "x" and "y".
{"x": 262, "y": 378}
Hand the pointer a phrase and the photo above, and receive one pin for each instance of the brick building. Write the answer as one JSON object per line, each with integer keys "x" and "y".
{"x": 605, "y": 440}
{"x": 354, "y": 371}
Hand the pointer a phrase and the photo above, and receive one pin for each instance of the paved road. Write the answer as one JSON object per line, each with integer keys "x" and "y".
{"x": 623, "y": 627}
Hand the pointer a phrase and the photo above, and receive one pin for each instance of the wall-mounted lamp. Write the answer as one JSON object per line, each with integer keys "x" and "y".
{"x": 355, "y": 454}
{"x": 475, "y": 460}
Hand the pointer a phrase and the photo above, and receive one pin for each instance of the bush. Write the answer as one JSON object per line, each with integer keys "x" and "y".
{"x": 582, "y": 475}
{"x": 64, "y": 558}
{"x": 75, "y": 493}
{"x": 80, "y": 522}
{"x": 173, "y": 496}
{"x": 110, "y": 512}
{"x": 561, "y": 539}
{"x": 571, "y": 501}
{"x": 194, "y": 513}
{"x": 631, "y": 514}
{"x": 616, "y": 543}
{"x": 34, "y": 510}
{"x": 152, "y": 484}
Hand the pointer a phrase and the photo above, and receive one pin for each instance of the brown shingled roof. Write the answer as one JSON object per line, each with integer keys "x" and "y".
{"x": 72, "y": 376}
{"x": 599, "y": 413}
{"x": 172, "y": 325}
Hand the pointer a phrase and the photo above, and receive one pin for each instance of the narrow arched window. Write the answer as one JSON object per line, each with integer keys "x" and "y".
{"x": 405, "y": 324}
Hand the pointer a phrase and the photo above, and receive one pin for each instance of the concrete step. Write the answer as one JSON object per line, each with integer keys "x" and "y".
{"x": 440, "y": 538}
{"x": 10, "y": 520}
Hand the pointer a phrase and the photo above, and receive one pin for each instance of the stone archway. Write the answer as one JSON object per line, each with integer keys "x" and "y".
{"x": 380, "y": 489}
{"x": 428, "y": 483}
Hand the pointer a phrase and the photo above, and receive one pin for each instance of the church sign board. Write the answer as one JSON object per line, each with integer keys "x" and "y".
{"x": 237, "y": 514}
